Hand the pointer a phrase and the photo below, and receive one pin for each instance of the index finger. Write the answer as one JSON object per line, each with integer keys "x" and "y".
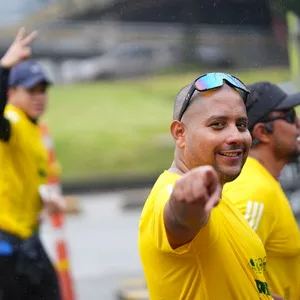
{"x": 29, "y": 38}
{"x": 211, "y": 178}
{"x": 214, "y": 198}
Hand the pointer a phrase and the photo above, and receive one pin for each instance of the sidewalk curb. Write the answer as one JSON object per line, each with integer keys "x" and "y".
{"x": 108, "y": 184}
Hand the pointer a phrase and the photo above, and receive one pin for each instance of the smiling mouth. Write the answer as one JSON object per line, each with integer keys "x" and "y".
{"x": 231, "y": 153}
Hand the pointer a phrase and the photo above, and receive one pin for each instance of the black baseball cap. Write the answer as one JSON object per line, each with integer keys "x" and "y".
{"x": 27, "y": 74}
{"x": 268, "y": 97}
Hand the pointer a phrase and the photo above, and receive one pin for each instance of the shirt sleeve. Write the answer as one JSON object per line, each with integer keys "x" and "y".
{"x": 255, "y": 204}
{"x": 206, "y": 236}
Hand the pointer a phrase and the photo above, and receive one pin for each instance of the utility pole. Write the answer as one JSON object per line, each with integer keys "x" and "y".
{"x": 294, "y": 46}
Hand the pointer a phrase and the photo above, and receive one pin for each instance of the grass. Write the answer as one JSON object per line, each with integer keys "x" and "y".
{"x": 120, "y": 128}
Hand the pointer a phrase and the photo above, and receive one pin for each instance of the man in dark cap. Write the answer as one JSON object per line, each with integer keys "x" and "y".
{"x": 275, "y": 130}
{"x": 25, "y": 269}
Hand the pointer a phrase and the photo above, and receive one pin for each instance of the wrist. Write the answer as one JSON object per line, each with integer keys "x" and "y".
{"x": 188, "y": 222}
{"x": 5, "y": 64}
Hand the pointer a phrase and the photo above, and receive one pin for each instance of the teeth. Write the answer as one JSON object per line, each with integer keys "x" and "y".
{"x": 231, "y": 154}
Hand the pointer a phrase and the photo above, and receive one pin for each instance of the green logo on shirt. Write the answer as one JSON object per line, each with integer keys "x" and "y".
{"x": 42, "y": 173}
{"x": 262, "y": 287}
{"x": 258, "y": 265}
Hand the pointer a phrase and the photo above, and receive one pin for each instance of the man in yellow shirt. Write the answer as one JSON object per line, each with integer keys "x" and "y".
{"x": 257, "y": 193}
{"x": 25, "y": 269}
{"x": 194, "y": 245}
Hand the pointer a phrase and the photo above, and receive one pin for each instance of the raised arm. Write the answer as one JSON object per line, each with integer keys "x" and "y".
{"x": 18, "y": 51}
{"x": 194, "y": 195}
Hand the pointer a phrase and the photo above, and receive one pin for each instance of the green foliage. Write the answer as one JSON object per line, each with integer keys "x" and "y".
{"x": 286, "y": 5}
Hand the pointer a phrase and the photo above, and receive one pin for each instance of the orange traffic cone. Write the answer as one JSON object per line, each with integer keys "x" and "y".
{"x": 57, "y": 221}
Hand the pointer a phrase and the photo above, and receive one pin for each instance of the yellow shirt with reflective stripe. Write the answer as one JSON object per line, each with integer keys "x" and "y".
{"x": 226, "y": 260}
{"x": 261, "y": 200}
{"x": 23, "y": 165}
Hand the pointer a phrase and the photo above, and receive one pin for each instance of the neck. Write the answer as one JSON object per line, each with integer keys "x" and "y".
{"x": 268, "y": 160}
{"x": 34, "y": 121}
{"x": 178, "y": 167}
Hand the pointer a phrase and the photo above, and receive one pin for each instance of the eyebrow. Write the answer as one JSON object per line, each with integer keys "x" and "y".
{"x": 216, "y": 117}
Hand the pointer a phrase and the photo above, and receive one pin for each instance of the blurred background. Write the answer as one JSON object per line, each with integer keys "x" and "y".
{"x": 116, "y": 68}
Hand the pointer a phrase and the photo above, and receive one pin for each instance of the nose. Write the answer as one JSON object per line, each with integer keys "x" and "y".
{"x": 39, "y": 96}
{"x": 298, "y": 122}
{"x": 235, "y": 136}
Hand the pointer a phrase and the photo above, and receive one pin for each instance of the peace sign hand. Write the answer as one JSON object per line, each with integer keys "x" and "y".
{"x": 19, "y": 50}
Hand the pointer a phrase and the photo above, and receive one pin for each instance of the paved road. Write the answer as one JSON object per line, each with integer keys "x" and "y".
{"x": 102, "y": 245}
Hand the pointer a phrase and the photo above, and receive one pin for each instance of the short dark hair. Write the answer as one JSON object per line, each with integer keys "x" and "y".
{"x": 180, "y": 99}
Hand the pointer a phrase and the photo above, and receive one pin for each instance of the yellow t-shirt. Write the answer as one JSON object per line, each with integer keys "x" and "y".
{"x": 23, "y": 165}
{"x": 260, "y": 198}
{"x": 225, "y": 261}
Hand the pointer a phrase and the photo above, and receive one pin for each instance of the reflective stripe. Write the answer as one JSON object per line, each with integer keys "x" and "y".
{"x": 253, "y": 214}
{"x": 62, "y": 265}
{"x": 260, "y": 212}
{"x": 254, "y": 211}
{"x": 248, "y": 210}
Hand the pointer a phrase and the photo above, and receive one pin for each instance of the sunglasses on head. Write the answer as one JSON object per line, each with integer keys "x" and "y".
{"x": 289, "y": 116}
{"x": 211, "y": 81}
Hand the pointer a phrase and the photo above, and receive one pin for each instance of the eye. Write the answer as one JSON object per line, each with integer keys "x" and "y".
{"x": 242, "y": 125}
{"x": 217, "y": 125}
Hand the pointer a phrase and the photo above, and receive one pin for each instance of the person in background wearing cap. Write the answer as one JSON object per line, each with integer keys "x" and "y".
{"x": 193, "y": 244}
{"x": 25, "y": 269}
{"x": 275, "y": 131}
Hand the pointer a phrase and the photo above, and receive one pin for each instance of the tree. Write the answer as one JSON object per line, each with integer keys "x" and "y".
{"x": 286, "y": 5}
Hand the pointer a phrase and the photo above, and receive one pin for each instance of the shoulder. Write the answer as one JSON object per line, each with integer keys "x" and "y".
{"x": 13, "y": 114}
{"x": 256, "y": 187}
{"x": 160, "y": 193}
{"x": 252, "y": 184}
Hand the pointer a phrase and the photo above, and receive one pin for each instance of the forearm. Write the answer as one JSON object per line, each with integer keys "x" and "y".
{"x": 182, "y": 223}
{"x": 5, "y": 129}
{"x": 4, "y": 74}
{"x": 193, "y": 197}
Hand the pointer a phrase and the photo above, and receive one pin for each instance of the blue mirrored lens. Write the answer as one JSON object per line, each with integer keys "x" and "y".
{"x": 214, "y": 80}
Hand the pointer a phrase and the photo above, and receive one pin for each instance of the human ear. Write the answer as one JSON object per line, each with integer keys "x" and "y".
{"x": 178, "y": 132}
{"x": 261, "y": 132}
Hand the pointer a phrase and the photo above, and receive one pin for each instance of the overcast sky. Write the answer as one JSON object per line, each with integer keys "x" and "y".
{"x": 14, "y": 10}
